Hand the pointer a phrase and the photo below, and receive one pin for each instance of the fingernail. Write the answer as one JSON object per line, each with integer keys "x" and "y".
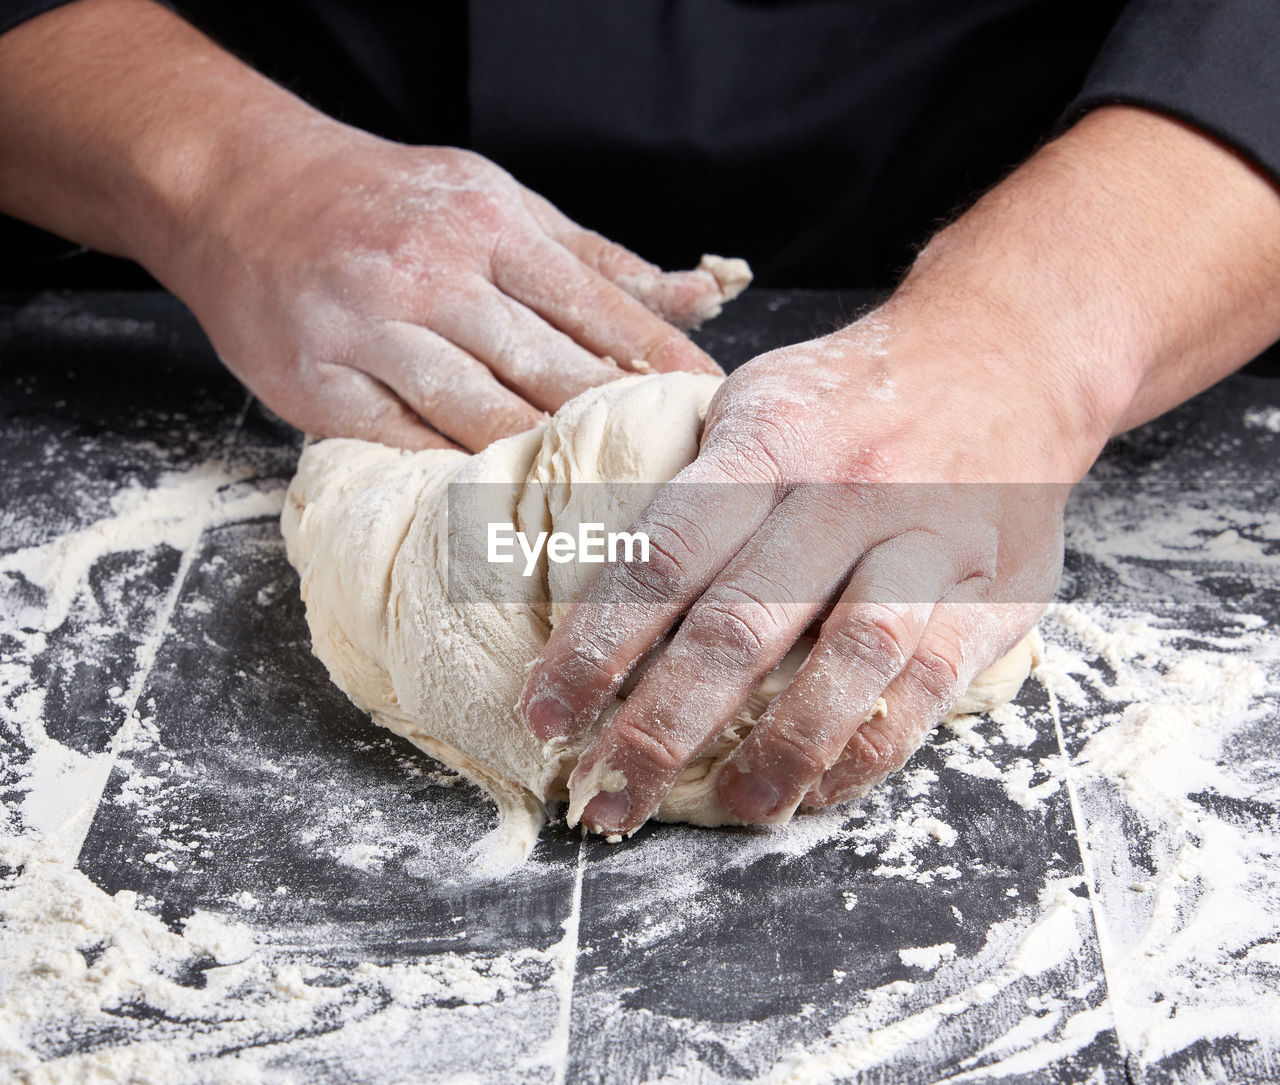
{"x": 607, "y": 811}
{"x": 751, "y": 796}
{"x": 548, "y": 716}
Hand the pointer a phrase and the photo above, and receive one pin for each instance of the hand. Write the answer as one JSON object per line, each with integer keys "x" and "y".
{"x": 1091, "y": 290}
{"x": 872, "y": 470}
{"x": 413, "y": 295}
{"x": 420, "y": 296}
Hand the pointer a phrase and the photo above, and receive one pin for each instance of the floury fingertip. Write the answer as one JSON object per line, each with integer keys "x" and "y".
{"x": 751, "y": 796}
{"x": 548, "y": 716}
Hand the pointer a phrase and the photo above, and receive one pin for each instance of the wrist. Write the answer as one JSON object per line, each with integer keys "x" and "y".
{"x": 234, "y": 185}
{"x": 1102, "y": 277}
{"x": 1017, "y": 377}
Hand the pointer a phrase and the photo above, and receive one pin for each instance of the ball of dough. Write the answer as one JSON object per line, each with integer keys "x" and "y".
{"x": 434, "y": 642}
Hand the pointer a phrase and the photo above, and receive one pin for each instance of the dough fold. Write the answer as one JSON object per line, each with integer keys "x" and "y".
{"x": 433, "y": 641}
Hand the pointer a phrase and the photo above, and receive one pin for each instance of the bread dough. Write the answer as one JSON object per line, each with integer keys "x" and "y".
{"x": 439, "y": 654}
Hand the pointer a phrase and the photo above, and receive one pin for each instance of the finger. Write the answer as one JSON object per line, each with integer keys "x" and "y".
{"x": 963, "y": 637}
{"x": 526, "y": 353}
{"x": 871, "y": 634}
{"x": 695, "y": 525}
{"x": 683, "y": 298}
{"x": 344, "y": 402}
{"x": 445, "y": 386}
{"x": 594, "y": 312}
{"x": 734, "y": 635}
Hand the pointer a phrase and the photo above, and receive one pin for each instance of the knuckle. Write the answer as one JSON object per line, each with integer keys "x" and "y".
{"x": 615, "y": 259}
{"x": 765, "y": 444}
{"x": 516, "y": 418}
{"x": 649, "y": 582}
{"x": 868, "y": 466}
{"x": 770, "y": 431}
{"x": 728, "y": 636}
{"x": 588, "y": 668}
{"x": 614, "y": 305}
{"x": 591, "y": 664}
{"x": 676, "y": 547}
{"x": 445, "y": 303}
{"x": 482, "y": 205}
{"x": 666, "y": 341}
{"x": 876, "y": 636}
{"x": 652, "y": 744}
{"x": 936, "y": 673}
{"x": 602, "y": 254}
{"x": 475, "y": 163}
{"x": 804, "y": 756}
{"x": 513, "y": 247}
{"x": 874, "y": 752}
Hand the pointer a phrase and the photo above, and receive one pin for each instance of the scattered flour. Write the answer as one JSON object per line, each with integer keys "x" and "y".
{"x": 172, "y": 513}
{"x": 927, "y": 957}
{"x": 1176, "y": 759}
{"x": 82, "y": 964}
{"x": 99, "y": 987}
{"x": 1014, "y": 951}
{"x": 1162, "y": 737}
{"x": 1267, "y": 418}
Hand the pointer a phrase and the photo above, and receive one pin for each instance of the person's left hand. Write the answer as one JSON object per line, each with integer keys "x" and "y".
{"x": 912, "y": 483}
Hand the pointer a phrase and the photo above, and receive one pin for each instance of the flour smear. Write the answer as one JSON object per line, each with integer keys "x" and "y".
{"x": 1165, "y": 738}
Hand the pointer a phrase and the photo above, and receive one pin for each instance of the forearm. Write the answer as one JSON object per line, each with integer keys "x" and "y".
{"x": 117, "y": 121}
{"x": 1129, "y": 265}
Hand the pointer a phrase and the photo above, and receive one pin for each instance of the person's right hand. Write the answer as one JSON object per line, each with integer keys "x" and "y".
{"x": 420, "y": 296}
{"x": 417, "y": 296}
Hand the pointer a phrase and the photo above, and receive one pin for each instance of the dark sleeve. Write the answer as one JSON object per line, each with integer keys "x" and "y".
{"x": 13, "y": 12}
{"x": 1214, "y": 64}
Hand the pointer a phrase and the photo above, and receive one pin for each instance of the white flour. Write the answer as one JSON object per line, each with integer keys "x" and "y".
{"x": 81, "y": 966}
{"x": 1182, "y": 929}
{"x": 927, "y": 957}
{"x": 1267, "y": 418}
{"x": 1163, "y": 735}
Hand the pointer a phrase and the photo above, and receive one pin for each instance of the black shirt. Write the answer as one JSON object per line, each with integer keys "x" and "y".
{"x": 824, "y": 140}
